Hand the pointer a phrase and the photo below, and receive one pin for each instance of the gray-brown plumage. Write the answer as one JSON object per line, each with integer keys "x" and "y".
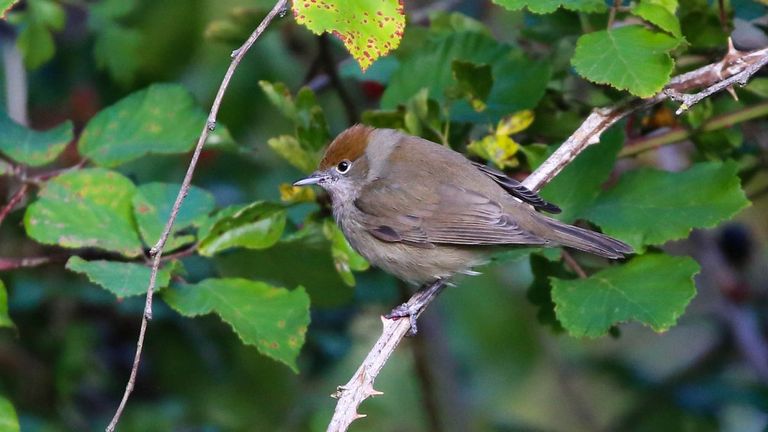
{"x": 423, "y": 212}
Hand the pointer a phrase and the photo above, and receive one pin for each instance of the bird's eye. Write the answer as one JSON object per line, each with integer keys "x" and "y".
{"x": 343, "y": 166}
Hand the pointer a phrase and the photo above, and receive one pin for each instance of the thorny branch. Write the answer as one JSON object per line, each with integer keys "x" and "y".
{"x": 741, "y": 65}
{"x": 157, "y": 251}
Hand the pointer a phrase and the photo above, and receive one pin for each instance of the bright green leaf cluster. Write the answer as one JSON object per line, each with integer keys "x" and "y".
{"x": 254, "y": 226}
{"x": 9, "y": 421}
{"x": 37, "y": 22}
{"x": 303, "y": 149}
{"x": 549, "y": 6}
{"x": 117, "y": 48}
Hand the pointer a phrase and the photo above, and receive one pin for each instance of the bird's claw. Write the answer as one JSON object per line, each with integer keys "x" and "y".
{"x": 405, "y": 311}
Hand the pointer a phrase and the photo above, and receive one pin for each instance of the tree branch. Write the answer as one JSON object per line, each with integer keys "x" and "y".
{"x": 18, "y": 196}
{"x": 157, "y": 251}
{"x": 360, "y": 386}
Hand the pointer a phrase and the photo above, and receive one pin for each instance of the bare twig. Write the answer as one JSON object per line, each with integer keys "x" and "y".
{"x": 573, "y": 264}
{"x": 18, "y": 196}
{"x": 157, "y": 251}
{"x": 612, "y": 13}
{"x": 17, "y": 263}
{"x": 360, "y": 387}
{"x": 741, "y": 78}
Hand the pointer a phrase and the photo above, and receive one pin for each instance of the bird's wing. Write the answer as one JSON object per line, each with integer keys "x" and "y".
{"x": 448, "y": 215}
{"x": 517, "y": 190}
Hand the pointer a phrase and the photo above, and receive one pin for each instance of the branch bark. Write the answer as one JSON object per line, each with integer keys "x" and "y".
{"x": 735, "y": 64}
{"x": 157, "y": 251}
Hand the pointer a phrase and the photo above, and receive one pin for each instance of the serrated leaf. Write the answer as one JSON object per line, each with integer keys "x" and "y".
{"x": 630, "y": 58}
{"x": 651, "y": 289}
{"x": 549, "y": 6}
{"x": 9, "y": 421}
{"x": 30, "y": 147}
{"x": 163, "y": 118}
{"x": 650, "y": 207}
{"x": 253, "y": 226}
{"x": 5, "y": 319}
{"x": 273, "y": 319}
{"x": 122, "y": 279}
{"x": 152, "y": 206}
{"x": 368, "y": 28}
{"x": 577, "y": 186}
{"x": 659, "y": 16}
{"x": 85, "y": 208}
{"x": 346, "y": 259}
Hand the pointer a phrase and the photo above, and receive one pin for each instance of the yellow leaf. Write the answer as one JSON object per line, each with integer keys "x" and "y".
{"x": 515, "y": 123}
{"x": 294, "y": 194}
{"x": 499, "y": 149}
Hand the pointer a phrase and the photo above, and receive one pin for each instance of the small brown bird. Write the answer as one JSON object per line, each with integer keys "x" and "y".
{"x": 424, "y": 212}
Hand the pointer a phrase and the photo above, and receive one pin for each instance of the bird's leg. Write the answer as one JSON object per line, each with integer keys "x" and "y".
{"x": 415, "y": 305}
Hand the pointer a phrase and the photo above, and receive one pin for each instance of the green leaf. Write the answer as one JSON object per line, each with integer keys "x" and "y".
{"x": 152, "y": 206}
{"x": 281, "y": 98}
{"x": 630, "y": 58}
{"x": 31, "y": 147}
{"x": 85, "y": 208}
{"x": 289, "y": 148}
{"x": 5, "y": 6}
{"x": 5, "y": 319}
{"x": 549, "y": 6}
{"x": 35, "y": 40}
{"x": 123, "y": 279}
{"x": 518, "y": 83}
{"x": 273, "y": 319}
{"x": 162, "y": 118}
{"x": 345, "y": 259}
{"x": 368, "y": 28}
{"x": 649, "y": 207}
{"x": 540, "y": 291}
{"x": 473, "y": 83}
{"x": 577, "y": 186}
{"x": 253, "y": 226}
{"x": 652, "y": 289}
{"x": 9, "y": 421}
{"x": 659, "y": 16}
{"x": 118, "y": 50}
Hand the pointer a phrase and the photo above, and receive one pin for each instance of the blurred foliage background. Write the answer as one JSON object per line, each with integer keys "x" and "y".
{"x": 482, "y": 360}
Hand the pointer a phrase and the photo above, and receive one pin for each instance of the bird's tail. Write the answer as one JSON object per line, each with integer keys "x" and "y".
{"x": 587, "y": 241}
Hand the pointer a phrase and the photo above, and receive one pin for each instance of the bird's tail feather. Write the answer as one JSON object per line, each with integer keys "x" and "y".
{"x": 588, "y": 241}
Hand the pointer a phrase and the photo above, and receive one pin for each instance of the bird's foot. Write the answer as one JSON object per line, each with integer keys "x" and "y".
{"x": 406, "y": 310}
{"x": 416, "y": 304}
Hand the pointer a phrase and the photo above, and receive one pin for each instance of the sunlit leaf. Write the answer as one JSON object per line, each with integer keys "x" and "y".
{"x": 289, "y": 148}
{"x": 5, "y": 6}
{"x": 152, "y": 206}
{"x": 659, "y": 16}
{"x": 369, "y": 28}
{"x": 5, "y": 319}
{"x": 499, "y": 149}
{"x": 344, "y": 257}
{"x": 650, "y": 207}
{"x": 651, "y": 289}
{"x": 163, "y": 118}
{"x": 253, "y": 226}
{"x": 85, "y": 208}
{"x": 9, "y": 421}
{"x": 273, "y": 319}
{"x": 35, "y": 40}
{"x": 296, "y": 194}
{"x": 30, "y": 147}
{"x": 630, "y": 58}
{"x": 122, "y": 279}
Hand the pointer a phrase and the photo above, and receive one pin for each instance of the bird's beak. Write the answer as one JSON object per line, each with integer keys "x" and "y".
{"x": 314, "y": 178}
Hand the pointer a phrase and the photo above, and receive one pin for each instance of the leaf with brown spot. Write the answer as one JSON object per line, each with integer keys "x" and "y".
{"x": 368, "y": 28}
{"x": 273, "y": 319}
{"x": 85, "y": 208}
